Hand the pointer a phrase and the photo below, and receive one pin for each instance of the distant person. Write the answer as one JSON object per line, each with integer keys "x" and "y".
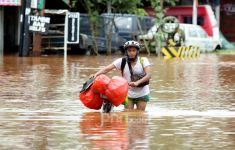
{"x": 136, "y": 70}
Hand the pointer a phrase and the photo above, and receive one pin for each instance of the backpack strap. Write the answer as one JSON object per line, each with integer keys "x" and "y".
{"x": 123, "y": 64}
{"x": 131, "y": 71}
{"x": 142, "y": 61}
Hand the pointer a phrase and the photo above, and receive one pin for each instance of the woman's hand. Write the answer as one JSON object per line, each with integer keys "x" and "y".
{"x": 92, "y": 76}
{"x": 133, "y": 84}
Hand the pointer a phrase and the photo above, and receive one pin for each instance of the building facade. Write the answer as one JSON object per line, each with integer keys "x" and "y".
{"x": 9, "y": 24}
{"x": 227, "y": 19}
{"x": 10, "y": 20}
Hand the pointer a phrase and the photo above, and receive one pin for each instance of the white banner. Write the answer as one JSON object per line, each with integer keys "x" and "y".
{"x": 39, "y": 24}
{"x": 10, "y": 2}
{"x": 34, "y": 4}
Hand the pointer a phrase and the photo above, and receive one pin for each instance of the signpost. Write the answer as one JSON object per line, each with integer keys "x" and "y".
{"x": 71, "y": 30}
{"x": 73, "y": 27}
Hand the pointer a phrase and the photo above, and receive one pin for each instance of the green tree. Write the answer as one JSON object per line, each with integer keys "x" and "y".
{"x": 158, "y": 6}
{"x": 93, "y": 10}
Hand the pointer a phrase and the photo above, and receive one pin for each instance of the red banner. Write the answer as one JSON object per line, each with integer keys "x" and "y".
{"x": 10, "y": 2}
{"x": 227, "y": 19}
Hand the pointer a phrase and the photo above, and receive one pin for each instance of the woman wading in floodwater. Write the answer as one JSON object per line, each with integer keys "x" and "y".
{"x": 136, "y": 70}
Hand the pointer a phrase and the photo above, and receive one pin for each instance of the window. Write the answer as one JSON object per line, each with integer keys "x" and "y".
{"x": 192, "y": 32}
{"x": 123, "y": 23}
{"x": 189, "y": 20}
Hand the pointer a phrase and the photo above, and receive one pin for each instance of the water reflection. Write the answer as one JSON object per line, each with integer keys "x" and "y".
{"x": 192, "y": 133}
{"x": 115, "y": 130}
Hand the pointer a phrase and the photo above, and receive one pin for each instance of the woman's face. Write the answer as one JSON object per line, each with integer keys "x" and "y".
{"x": 131, "y": 52}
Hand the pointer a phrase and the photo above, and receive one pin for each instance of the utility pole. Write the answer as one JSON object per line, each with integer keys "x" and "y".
{"x": 195, "y": 2}
{"x": 37, "y": 39}
{"x": 24, "y": 33}
{"x": 109, "y": 10}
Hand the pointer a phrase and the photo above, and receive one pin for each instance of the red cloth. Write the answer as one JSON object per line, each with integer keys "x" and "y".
{"x": 117, "y": 90}
{"x": 114, "y": 89}
{"x": 100, "y": 84}
{"x": 90, "y": 99}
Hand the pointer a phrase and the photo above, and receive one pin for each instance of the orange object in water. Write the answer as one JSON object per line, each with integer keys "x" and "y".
{"x": 100, "y": 84}
{"x": 117, "y": 90}
{"x": 111, "y": 128}
{"x": 91, "y": 99}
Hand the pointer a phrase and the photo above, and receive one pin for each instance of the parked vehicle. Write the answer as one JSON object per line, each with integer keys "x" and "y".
{"x": 101, "y": 39}
{"x": 55, "y": 38}
{"x": 130, "y": 26}
{"x": 193, "y": 35}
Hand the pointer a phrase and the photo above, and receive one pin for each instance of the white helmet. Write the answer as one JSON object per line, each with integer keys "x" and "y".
{"x": 131, "y": 44}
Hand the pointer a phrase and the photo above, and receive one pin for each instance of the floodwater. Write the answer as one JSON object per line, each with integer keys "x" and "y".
{"x": 192, "y": 106}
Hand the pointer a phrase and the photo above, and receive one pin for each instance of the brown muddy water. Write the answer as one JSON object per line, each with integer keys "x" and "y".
{"x": 192, "y": 106}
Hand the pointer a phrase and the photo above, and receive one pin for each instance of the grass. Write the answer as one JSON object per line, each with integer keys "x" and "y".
{"x": 225, "y": 51}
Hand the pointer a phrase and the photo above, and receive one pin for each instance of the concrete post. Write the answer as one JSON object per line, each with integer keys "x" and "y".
{"x": 24, "y": 43}
{"x": 217, "y": 15}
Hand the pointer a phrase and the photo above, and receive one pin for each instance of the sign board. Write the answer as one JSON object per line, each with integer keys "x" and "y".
{"x": 37, "y": 4}
{"x": 73, "y": 27}
{"x": 10, "y": 2}
{"x": 39, "y": 24}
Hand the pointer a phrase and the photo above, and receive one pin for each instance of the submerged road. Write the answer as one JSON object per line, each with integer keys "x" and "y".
{"x": 192, "y": 105}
